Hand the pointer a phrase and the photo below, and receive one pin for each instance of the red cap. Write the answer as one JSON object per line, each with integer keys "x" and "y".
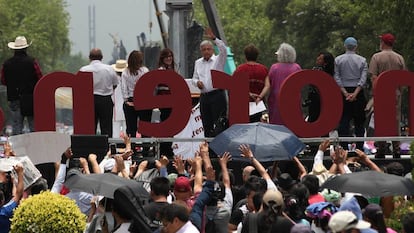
{"x": 182, "y": 184}
{"x": 388, "y": 39}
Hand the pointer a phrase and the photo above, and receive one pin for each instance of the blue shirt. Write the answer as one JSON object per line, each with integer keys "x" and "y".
{"x": 350, "y": 70}
{"x": 6, "y": 212}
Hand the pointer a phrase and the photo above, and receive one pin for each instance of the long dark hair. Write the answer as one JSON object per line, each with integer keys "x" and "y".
{"x": 163, "y": 54}
{"x": 135, "y": 61}
{"x": 329, "y": 60}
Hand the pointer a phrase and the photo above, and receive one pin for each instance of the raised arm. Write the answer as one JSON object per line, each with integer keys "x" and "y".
{"x": 363, "y": 158}
{"x": 302, "y": 169}
{"x": 205, "y": 155}
{"x": 224, "y": 159}
{"x": 94, "y": 163}
{"x": 247, "y": 153}
{"x": 197, "y": 165}
{"x": 20, "y": 185}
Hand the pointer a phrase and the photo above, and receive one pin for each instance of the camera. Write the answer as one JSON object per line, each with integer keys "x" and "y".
{"x": 113, "y": 148}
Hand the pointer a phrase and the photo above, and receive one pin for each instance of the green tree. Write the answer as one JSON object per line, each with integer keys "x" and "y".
{"x": 322, "y": 25}
{"x": 44, "y": 22}
{"x": 244, "y": 22}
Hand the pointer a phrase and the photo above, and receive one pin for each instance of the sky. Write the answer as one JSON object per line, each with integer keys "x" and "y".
{"x": 124, "y": 18}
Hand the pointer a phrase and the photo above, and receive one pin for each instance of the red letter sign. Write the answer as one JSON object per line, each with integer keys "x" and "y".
{"x": 238, "y": 91}
{"x": 290, "y": 103}
{"x": 83, "y": 103}
{"x": 385, "y": 102}
{"x": 179, "y": 101}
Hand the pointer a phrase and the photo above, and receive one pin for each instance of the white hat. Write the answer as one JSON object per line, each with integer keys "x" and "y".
{"x": 19, "y": 43}
{"x": 273, "y": 196}
{"x": 120, "y": 65}
{"x": 345, "y": 220}
{"x": 107, "y": 164}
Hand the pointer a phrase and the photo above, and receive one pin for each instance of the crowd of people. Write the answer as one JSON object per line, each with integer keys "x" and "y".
{"x": 201, "y": 195}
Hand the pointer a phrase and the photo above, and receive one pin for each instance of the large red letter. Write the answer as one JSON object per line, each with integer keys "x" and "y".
{"x": 83, "y": 102}
{"x": 290, "y": 103}
{"x": 179, "y": 101}
{"x": 385, "y": 102}
{"x": 238, "y": 91}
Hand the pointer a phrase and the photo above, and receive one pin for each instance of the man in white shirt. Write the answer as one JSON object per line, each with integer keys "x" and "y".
{"x": 105, "y": 81}
{"x": 175, "y": 219}
{"x": 213, "y": 103}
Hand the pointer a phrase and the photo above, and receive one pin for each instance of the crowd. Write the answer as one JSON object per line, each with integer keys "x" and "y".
{"x": 198, "y": 195}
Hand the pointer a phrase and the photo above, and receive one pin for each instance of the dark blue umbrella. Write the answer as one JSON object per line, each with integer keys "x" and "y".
{"x": 268, "y": 142}
{"x": 371, "y": 183}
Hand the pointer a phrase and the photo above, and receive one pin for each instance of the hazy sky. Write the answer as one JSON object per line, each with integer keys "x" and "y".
{"x": 124, "y": 18}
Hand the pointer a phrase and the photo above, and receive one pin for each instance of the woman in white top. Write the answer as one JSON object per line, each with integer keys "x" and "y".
{"x": 129, "y": 77}
{"x": 165, "y": 62}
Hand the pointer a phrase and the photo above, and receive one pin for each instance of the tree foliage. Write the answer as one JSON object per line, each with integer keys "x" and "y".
{"x": 43, "y": 22}
{"x": 244, "y": 22}
{"x": 322, "y": 25}
{"x": 312, "y": 26}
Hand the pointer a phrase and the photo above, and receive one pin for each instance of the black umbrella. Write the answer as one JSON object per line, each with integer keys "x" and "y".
{"x": 101, "y": 184}
{"x": 371, "y": 183}
{"x": 268, "y": 142}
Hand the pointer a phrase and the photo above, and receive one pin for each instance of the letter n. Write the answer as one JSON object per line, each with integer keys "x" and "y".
{"x": 83, "y": 102}
{"x": 385, "y": 102}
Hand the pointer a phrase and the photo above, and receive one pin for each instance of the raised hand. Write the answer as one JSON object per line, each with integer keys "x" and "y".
{"x": 324, "y": 145}
{"x": 178, "y": 164}
{"x": 246, "y": 152}
{"x": 225, "y": 158}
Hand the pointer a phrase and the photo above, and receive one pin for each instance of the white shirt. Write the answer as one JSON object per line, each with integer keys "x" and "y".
{"x": 188, "y": 227}
{"x": 202, "y": 68}
{"x": 129, "y": 80}
{"x": 104, "y": 77}
{"x": 123, "y": 228}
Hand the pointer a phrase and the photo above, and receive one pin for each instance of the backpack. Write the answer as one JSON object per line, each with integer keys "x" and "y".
{"x": 130, "y": 198}
{"x": 252, "y": 217}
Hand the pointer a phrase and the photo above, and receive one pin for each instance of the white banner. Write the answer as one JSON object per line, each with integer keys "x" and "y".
{"x": 30, "y": 172}
{"x": 193, "y": 129}
{"x": 41, "y": 147}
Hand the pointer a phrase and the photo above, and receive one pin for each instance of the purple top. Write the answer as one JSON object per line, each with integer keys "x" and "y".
{"x": 277, "y": 74}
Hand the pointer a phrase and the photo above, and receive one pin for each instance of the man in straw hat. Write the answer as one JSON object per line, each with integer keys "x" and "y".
{"x": 119, "y": 116}
{"x": 105, "y": 81}
{"x": 20, "y": 74}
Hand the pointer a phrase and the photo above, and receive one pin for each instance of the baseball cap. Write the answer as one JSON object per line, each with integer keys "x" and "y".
{"x": 371, "y": 210}
{"x": 182, "y": 184}
{"x": 272, "y": 195}
{"x": 350, "y": 41}
{"x": 388, "y": 39}
{"x": 345, "y": 220}
{"x": 300, "y": 228}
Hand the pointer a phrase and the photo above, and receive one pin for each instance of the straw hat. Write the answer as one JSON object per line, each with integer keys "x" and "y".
{"x": 19, "y": 43}
{"x": 120, "y": 65}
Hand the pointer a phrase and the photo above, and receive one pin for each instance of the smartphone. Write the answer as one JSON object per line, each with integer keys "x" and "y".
{"x": 332, "y": 149}
{"x": 133, "y": 147}
{"x": 113, "y": 148}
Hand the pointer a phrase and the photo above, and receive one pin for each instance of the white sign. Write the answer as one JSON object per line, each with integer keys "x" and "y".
{"x": 256, "y": 108}
{"x": 193, "y": 129}
{"x": 30, "y": 172}
{"x": 41, "y": 147}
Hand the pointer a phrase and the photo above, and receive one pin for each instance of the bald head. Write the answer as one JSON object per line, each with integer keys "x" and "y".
{"x": 95, "y": 54}
{"x": 247, "y": 171}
